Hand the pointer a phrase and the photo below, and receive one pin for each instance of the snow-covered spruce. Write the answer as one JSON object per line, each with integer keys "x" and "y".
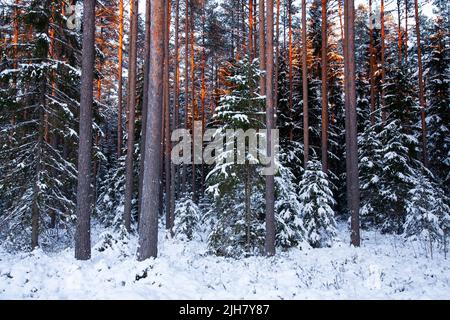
{"x": 317, "y": 200}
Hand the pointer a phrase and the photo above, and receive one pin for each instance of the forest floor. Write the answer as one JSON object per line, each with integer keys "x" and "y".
{"x": 385, "y": 267}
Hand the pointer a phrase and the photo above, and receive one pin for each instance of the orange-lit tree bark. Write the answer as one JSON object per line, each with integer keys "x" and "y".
{"x": 120, "y": 81}
{"x": 148, "y": 223}
{"x": 250, "y": 30}
{"x": 351, "y": 122}
{"x": 291, "y": 84}
{"x": 305, "y": 86}
{"x": 324, "y": 88}
{"x": 84, "y": 206}
{"x": 186, "y": 87}
{"x": 421, "y": 85}
{"x": 270, "y": 121}
{"x": 399, "y": 32}
{"x": 131, "y": 106}
{"x": 262, "y": 49}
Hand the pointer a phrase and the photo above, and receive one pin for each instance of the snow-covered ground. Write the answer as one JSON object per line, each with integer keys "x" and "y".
{"x": 385, "y": 267}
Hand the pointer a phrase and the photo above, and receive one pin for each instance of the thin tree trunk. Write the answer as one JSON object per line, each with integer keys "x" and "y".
{"x": 270, "y": 185}
{"x": 83, "y": 235}
{"x": 383, "y": 51}
{"x": 262, "y": 48}
{"x": 131, "y": 114}
{"x": 277, "y": 59}
{"x": 372, "y": 66}
{"x": 174, "y": 172}
{"x": 167, "y": 142}
{"x": 406, "y": 30}
{"x": 305, "y": 87}
{"x": 291, "y": 84}
{"x": 250, "y": 30}
{"x": 324, "y": 88}
{"x": 148, "y": 225}
{"x": 193, "y": 101}
{"x": 399, "y": 33}
{"x": 186, "y": 88}
{"x": 351, "y": 123}
{"x": 421, "y": 86}
{"x": 120, "y": 80}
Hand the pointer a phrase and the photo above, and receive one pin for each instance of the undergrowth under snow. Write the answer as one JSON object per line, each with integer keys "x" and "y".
{"x": 385, "y": 267}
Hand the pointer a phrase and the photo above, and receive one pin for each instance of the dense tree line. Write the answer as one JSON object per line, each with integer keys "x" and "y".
{"x": 360, "y": 97}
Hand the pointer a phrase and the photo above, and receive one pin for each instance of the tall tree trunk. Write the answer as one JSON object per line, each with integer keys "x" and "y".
{"x": 186, "y": 88}
{"x": 351, "y": 122}
{"x": 120, "y": 80}
{"x": 131, "y": 106}
{"x": 277, "y": 59}
{"x": 383, "y": 52}
{"x": 148, "y": 10}
{"x": 291, "y": 84}
{"x": 148, "y": 225}
{"x": 203, "y": 93}
{"x": 262, "y": 48}
{"x": 324, "y": 88}
{"x": 399, "y": 33}
{"x": 305, "y": 87}
{"x": 83, "y": 232}
{"x": 174, "y": 172}
{"x": 193, "y": 101}
{"x": 421, "y": 86}
{"x": 167, "y": 142}
{"x": 372, "y": 66}
{"x": 406, "y": 30}
{"x": 250, "y": 30}
{"x": 270, "y": 185}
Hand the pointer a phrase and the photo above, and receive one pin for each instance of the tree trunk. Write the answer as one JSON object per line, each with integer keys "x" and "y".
{"x": 148, "y": 10}
{"x": 383, "y": 51}
{"x": 372, "y": 65}
{"x": 167, "y": 142}
{"x": 250, "y": 30}
{"x": 262, "y": 48}
{"x": 131, "y": 114}
{"x": 291, "y": 84}
{"x": 421, "y": 86}
{"x": 120, "y": 80}
{"x": 305, "y": 87}
{"x": 193, "y": 101}
{"x": 186, "y": 89}
{"x": 324, "y": 88}
{"x": 174, "y": 172}
{"x": 270, "y": 185}
{"x": 351, "y": 123}
{"x": 83, "y": 232}
{"x": 277, "y": 59}
{"x": 148, "y": 225}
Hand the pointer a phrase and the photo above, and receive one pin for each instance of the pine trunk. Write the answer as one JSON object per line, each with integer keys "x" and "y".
{"x": 351, "y": 123}
{"x": 270, "y": 185}
{"x": 82, "y": 235}
{"x": 131, "y": 106}
{"x": 305, "y": 87}
{"x": 148, "y": 224}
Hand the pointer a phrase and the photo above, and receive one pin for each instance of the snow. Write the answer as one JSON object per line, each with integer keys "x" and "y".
{"x": 385, "y": 267}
